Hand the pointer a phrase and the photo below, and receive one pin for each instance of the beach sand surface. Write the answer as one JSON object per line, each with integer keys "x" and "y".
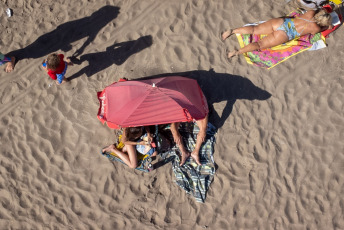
{"x": 279, "y": 149}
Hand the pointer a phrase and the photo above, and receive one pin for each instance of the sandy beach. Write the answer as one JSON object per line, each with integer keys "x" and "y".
{"x": 279, "y": 146}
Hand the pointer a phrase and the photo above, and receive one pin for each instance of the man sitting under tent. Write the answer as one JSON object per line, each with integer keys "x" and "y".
{"x": 202, "y": 124}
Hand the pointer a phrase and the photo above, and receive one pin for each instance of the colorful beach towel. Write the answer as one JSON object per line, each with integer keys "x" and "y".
{"x": 269, "y": 58}
{"x": 194, "y": 179}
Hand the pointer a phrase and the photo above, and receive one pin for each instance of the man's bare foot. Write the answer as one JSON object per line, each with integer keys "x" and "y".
{"x": 226, "y": 34}
{"x": 185, "y": 156}
{"x": 10, "y": 65}
{"x": 232, "y": 54}
{"x": 195, "y": 156}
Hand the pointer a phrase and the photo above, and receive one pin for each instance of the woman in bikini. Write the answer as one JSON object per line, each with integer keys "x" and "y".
{"x": 281, "y": 30}
{"x": 134, "y": 139}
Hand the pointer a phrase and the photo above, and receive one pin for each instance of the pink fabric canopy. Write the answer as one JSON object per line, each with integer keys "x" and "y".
{"x": 150, "y": 102}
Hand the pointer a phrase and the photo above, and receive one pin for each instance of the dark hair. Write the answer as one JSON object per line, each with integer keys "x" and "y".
{"x": 53, "y": 61}
{"x": 134, "y": 133}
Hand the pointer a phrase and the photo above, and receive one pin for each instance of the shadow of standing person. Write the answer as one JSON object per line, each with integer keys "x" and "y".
{"x": 117, "y": 54}
{"x": 65, "y": 34}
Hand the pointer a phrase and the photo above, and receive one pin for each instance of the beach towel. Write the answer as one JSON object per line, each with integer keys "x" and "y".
{"x": 269, "y": 58}
{"x": 194, "y": 179}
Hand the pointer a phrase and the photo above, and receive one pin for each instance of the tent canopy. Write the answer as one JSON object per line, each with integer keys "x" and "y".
{"x": 150, "y": 102}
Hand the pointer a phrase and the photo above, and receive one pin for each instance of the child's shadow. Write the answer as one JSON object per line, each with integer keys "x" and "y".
{"x": 117, "y": 54}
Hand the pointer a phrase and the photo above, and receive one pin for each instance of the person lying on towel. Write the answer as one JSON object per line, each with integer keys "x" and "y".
{"x": 202, "y": 124}
{"x": 135, "y": 139}
{"x": 281, "y": 30}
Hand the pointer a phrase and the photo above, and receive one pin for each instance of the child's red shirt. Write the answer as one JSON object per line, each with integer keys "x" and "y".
{"x": 59, "y": 70}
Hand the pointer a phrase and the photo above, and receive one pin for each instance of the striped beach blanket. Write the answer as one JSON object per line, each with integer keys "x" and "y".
{"x": 194, "y": 179}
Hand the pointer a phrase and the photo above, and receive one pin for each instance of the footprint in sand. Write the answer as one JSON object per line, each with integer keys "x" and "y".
{"x": 8, "y": 93}
{"x": 178, "y": 26}
{"x": 197, "y": 3}
{"x": 187, "y": 10}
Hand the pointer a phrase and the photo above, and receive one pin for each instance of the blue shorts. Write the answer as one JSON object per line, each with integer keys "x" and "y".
{"x": 60, "y": 76}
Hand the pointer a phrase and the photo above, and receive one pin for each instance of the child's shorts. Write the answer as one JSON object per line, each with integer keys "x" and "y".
{"x": 61, "y": 76}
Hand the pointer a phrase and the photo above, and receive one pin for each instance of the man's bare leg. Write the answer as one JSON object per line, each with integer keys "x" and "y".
{"x": 202, "y": 124}
{"x": 179, "y": 142}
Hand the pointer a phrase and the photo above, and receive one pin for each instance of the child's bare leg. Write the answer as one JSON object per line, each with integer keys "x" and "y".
{"x": 10, "y": 65}
{"x": 69, "y": 62}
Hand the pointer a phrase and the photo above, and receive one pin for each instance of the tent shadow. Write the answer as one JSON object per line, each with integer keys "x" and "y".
{"x": 218, "y": 87}
{"x": 117, "y": 54}
{"x": 65, "y": 34}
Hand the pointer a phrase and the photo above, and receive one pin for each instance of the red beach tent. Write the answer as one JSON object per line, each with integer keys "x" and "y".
{"x": 151, "y": 102}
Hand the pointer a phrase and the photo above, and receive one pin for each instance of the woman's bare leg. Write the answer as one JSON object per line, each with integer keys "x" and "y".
{"x": 265, "y": 28}
{"x": 273, "y": 39}
{"x": 129, "y": 159}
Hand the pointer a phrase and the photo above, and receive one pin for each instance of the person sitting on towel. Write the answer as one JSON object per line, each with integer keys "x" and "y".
{"x": 202, "y": 124}
{"x": 135, "y": 139}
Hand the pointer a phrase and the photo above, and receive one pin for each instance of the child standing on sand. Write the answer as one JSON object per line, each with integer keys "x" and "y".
{"x": 9, "y": 60}
{"x": 56, "y": 67}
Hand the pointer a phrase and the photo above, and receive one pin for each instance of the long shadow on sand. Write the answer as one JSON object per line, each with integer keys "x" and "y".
{"x": 64, "y": 35}
{"x": 218, "y": 87}
{"x": 117, "y": 54}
